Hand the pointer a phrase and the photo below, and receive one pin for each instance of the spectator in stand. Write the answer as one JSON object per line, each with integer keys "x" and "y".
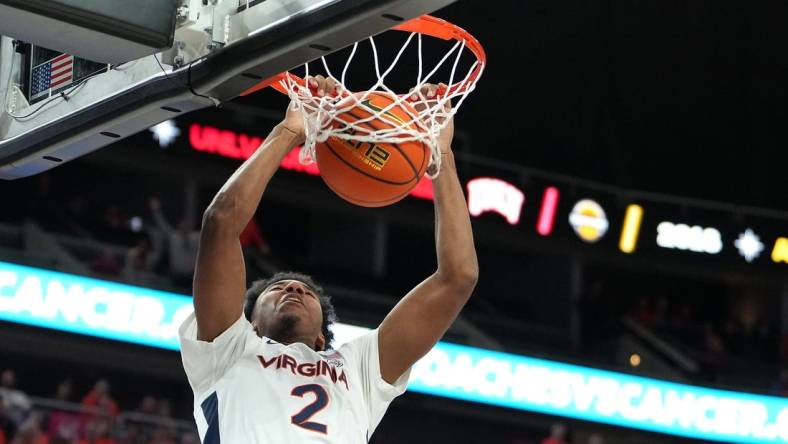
{"x": 148, "y": 405}
{"x": 163, "y": 435}
{"x": 7, "y": 427}
{"x": 30, "y": 432}
{"x": 713, "y": 355}
{"x": 781, "y": 387}
{"x": 64, "y": 425}
{"x": 140, "y": 260}
{"x": 189, "y": 438}
{"x": 39, "y": 203}
{"x": 252, "y": 239}
{"x": 643, "y": 314}
{"x": 734, "y": 332}
{"x": 75, "y": 216}
{"x": 106, "y": 264}
{"x": 682, "y": 325}
{"x": 784, "y": 351}
{"x": 97, "y": 419}
{"x": 661, "y": 312}
{"x": 114, "y": 227}
{"x": 16, "y": 403}
{"x": 164, "y": 409}
{"x": 182, "y": 245}
{"x": 99, "y": 401}
{"x": 596, "y": 439}
{"x": 557, "y": 435}
{"x": 137, "y": 429}
{"x": 97, "y": 431}
{"x": 256, "y": 249}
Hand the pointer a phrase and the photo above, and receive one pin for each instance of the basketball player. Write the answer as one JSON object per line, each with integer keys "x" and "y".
{"x": 265, "y": 373}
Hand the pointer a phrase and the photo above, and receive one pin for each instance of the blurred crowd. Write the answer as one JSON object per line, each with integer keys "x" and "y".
{"x": 559, "y": 435}
{"x": 735, "y": 335}
{"x": 142, "y": 241}
{"x": 95, "y": 418}
{"x": 156, "y": 247}
{"x": 732, "y": 333}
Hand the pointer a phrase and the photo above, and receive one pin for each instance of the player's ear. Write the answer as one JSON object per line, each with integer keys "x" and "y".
{"x": 320, "y": 342}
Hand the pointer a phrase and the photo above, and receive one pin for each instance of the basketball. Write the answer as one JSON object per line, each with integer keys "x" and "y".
{"x": 373, "y": 174}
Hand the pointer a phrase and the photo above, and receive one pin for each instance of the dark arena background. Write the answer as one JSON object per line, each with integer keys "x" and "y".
{"x": 625, "y": 170}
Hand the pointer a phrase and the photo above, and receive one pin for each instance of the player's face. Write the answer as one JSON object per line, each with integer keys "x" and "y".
{"x": 290, "y": 309}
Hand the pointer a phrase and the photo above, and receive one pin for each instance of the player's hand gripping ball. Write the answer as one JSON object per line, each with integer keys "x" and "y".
{"x": 371, "y": 174}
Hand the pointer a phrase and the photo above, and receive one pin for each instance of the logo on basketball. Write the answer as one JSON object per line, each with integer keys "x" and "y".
{"x": 370, "y": 154}
{"x": 377, "y": 155}
{"x": 588, "y": 220}
{"x": 359, "y": 163}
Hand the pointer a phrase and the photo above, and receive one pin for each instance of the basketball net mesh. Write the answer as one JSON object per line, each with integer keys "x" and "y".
{"x": 323, "y": 115}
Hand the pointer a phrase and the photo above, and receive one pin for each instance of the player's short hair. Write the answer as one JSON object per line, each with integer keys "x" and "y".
{"x": 329, "y": 314}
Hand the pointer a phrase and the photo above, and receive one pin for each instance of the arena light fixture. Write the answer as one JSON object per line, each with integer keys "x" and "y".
{"x": 488, "y": 194}
{"x": 689, "y": 238}
{"x": 631, "y": 228}
{"x": 780, "y": 250}
{"x": 547, "y": 211}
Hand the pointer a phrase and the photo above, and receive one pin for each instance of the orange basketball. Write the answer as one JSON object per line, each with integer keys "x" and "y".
{"x": 373, "y": 174}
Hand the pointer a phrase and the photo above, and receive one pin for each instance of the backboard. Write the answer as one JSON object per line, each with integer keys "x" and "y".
{"x": 220, "y": 49}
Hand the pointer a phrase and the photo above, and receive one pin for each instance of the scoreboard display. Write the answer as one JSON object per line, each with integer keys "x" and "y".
{"x": 549, "y": 210}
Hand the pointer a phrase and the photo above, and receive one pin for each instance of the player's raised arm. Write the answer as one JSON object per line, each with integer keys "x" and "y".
{"x": 220, "y": 274}
{"x": 421, "y": 318}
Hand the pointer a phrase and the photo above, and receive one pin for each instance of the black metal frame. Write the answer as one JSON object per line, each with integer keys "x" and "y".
{"x": 223, "y": 75}
{"x": 84, "y": 18}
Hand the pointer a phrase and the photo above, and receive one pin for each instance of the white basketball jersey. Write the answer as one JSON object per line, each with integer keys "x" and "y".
{"x": 252, "y": 390}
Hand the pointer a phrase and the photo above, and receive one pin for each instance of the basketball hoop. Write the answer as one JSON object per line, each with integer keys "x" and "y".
{"x": 323, "y": 115}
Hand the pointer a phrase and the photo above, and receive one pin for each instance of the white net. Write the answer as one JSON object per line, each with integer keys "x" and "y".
{"x": 325, "y": 115}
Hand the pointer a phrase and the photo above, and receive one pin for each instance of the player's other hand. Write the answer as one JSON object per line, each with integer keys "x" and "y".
{"x": 154, "y": 204}
{"x": 320, "y": 87}
{"x": 323, "y": 86}
{"x": 294, "y": 122}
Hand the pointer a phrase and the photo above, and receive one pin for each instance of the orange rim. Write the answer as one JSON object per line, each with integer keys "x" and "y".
{"x": 426, "y": 25}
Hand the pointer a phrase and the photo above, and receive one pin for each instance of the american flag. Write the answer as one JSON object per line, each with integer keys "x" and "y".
{"x": 54, "y": 73}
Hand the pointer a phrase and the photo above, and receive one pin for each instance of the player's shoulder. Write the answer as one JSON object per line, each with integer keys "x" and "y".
{"x": 356, "y": 348}
{"x": 330, "y": 355}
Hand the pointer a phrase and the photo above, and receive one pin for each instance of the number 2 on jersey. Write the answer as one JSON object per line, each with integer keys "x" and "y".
{"x": 302, "y": 418}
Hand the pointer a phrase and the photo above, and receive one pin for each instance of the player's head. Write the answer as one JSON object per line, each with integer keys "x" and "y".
{"x": 291, "y": 306}
{"x": 8, "y": 379}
